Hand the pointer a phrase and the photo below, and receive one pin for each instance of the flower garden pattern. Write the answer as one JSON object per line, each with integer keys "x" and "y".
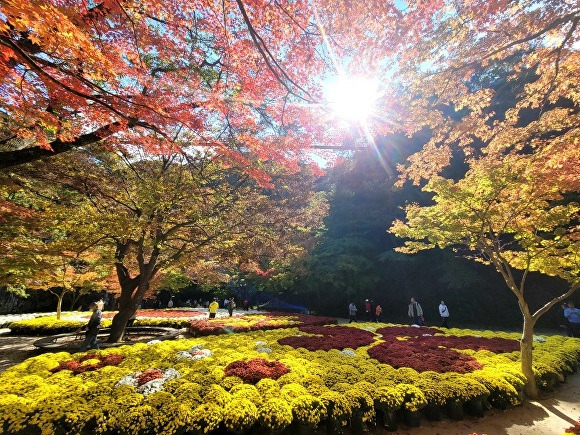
{"x": 265, "y": 379}
{"x": 255, "y": 322}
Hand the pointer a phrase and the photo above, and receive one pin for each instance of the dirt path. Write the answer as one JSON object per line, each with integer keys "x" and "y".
{"x": 14, "y": 350}
{"x": 550, "y": 415}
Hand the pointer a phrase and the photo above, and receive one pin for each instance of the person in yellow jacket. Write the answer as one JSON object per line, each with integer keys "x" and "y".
{"x": 213, "y": 307}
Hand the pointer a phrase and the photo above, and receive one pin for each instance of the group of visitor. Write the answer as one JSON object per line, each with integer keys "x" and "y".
{"x": 373, "y": 313}
{"x": 415, "y": 312}
{"x": 229, "y": 304}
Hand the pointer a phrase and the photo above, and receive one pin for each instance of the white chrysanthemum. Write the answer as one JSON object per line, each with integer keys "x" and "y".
{"x": 265, "y": 349}
{"x": 128, "y": 380}
{"x": 348, "y": 352}
{"x": 149, "y": 343}
{"x": 153, "y": 386}
{"x": 194, "y": 353}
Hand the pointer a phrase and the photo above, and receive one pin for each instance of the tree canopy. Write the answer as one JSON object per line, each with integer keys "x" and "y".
{"x": 160, "y": 215}
{"x": 500, "y": 98}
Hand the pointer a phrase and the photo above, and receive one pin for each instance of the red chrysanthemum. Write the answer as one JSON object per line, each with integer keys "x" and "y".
{"x": 494, "y": 344}
{"x": 423, "y": 357}
{"x": 148, "y": 375}
{"x": 329, "y": 337}
{"x": 406, "y": 331}
{"x": 255, "y": 369}
{"x": 77, "y": 366}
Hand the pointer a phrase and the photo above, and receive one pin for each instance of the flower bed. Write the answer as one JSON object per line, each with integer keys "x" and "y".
{"x": 420, "y": 350}
{"x": 237, "y": 382}
{"x": 329, "y": 337}
{"x": 574, "y": 430}
{"x": 171, "y": 313}
{"x": 255, "y": 322}
{"x": 49, "y": 325}
{"x": 69, "y": 322}
{"x": 256, "y": 369}
{"x": 423, "y": 357}
{"x": 88, "y": 362}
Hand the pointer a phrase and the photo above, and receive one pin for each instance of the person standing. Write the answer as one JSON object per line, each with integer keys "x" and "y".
{"x": 352, "y": 312}
{"x": 415, "y": 313}
{"x": 213, "y": 307}
{"x": 368, "y": 310}
{"x": 573, "y": 316}
{"x": 92, "y": 328}
{"x": 231, "y": 306}
{"x": 444, "y": 313}
{"x": 378, "y": 313}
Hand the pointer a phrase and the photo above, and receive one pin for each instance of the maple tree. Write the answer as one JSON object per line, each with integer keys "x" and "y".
{"x": 501, "y": 100}
{"x": 157, "y": 217}
{"x": 153, "y": 73}
{"x": 39, "y": 255}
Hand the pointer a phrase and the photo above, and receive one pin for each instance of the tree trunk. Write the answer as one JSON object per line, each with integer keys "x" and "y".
{"x": 59, "y": 304}
{"x": 74, "y": 299}
{"x": 128, "y": 304}
{"x": 125, "y": 312}
{"x": 526, "y": 346}
{"x": 129, "y": 301}
{"x": 118, "y": 326}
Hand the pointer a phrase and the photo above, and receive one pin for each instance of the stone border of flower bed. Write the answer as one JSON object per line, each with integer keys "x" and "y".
{"x": 50, "y": 343}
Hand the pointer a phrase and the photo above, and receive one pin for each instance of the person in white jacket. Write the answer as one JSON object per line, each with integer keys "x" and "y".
{"x": 444, "y": 313}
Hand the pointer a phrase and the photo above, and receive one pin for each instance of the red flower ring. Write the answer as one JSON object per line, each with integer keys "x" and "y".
{"x": 422, "y": 356}
{"x": 426, "y": 352}
{"x": 255, "y": 369}
{"x": 76, "y": 366}
{"x": 495, "y": 344}
{"x": 406, "y": 331}
{"x": 329, "y": 337}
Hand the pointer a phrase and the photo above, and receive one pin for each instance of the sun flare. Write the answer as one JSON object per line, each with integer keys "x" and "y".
{"x": 351, "y": 98}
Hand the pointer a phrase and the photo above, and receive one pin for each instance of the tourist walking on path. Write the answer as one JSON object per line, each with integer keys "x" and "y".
{"x": 415, "y": 312}
{"x": 573, "y": 316}
{"x": 213, "y": 307}
{"x": 92, "y": 328}
{"x": 444, "y": 313}
{"x": 352, "y": 312}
